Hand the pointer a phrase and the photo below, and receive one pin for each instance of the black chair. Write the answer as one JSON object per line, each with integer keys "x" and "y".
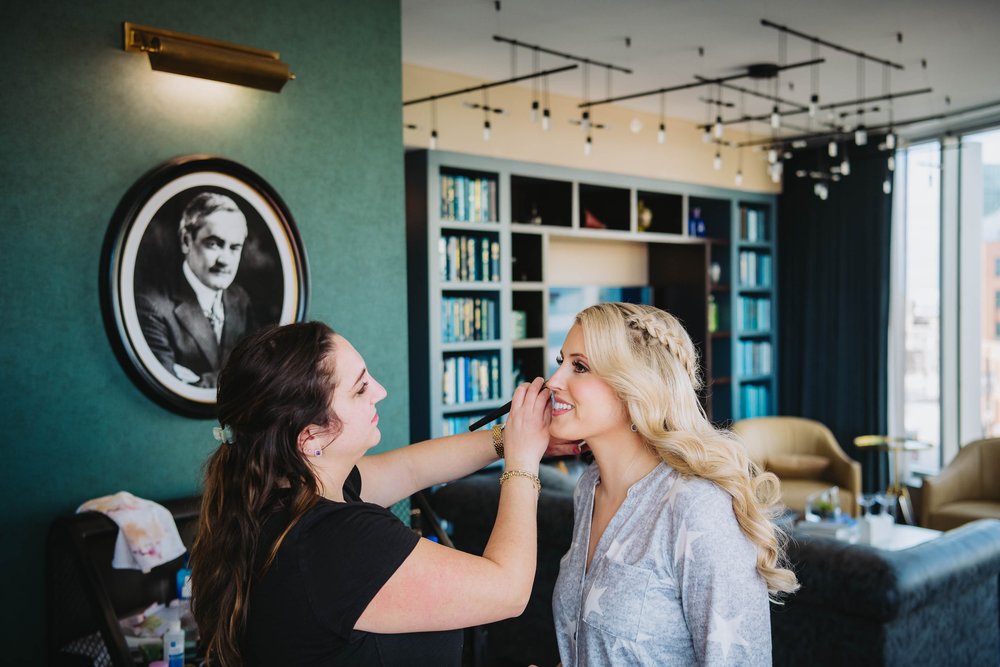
{"x": 85, "y": 596}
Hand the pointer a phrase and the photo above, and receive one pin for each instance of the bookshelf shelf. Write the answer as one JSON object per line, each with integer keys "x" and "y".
{"x": 536, "y": 231}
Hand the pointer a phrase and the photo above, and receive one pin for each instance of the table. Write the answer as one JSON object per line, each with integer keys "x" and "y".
{"x": 903, "y": 537}
{"x": 897, "y": 446}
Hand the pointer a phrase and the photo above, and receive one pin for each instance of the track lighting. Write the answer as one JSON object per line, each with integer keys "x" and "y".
{"x": 860, "y": 135}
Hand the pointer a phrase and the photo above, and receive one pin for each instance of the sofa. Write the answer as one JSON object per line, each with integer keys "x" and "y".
{"x": 805, "y": 456}
{"x": 931, "y": 604}
{"x": 470, "y": 506}
{"x": 966, "y": 490}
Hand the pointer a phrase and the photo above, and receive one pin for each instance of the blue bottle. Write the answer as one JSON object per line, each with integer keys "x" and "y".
{"x": 184, "y": 580}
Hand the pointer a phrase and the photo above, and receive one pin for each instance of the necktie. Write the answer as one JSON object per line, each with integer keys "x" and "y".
{"x": 217, "y": 316}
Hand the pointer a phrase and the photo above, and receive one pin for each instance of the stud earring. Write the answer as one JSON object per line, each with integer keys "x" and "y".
{"x": 635, "y": 429}
{"x": 318, "y": 452}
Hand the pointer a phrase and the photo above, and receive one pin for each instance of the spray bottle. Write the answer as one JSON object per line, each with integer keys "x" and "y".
{"x": 173, "y": 644}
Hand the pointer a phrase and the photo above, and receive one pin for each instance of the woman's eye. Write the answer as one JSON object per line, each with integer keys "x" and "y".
{"x": 363, "y": 389}
{"x": 579, "y": 368}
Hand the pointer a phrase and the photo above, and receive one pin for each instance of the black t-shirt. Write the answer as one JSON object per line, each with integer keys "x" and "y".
{"x": 329, "y": 567}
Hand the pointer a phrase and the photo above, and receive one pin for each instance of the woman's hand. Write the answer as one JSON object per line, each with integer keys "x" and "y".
{"x": 526, "y": 435}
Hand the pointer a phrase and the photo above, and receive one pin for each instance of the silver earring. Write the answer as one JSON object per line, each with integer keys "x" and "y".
{"x": 635, "y": 429}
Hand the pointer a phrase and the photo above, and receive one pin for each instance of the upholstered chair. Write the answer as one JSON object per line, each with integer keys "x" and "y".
{"x": 805, "y": 456}
{"x": 967, "y": 489}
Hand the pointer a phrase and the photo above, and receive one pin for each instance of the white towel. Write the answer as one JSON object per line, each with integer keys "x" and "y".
{"x": 147, "y": 534}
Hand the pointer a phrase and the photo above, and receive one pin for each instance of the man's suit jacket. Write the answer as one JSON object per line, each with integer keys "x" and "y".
{"x": 178, "y": 332}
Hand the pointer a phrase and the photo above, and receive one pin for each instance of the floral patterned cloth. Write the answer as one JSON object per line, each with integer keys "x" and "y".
{"x": 147, "y": 534}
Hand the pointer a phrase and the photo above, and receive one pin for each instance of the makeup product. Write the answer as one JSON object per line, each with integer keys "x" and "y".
{"x": 496, "y": 414}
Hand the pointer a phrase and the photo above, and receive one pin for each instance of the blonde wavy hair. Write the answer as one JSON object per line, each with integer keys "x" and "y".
{"x": 647, "y": 357}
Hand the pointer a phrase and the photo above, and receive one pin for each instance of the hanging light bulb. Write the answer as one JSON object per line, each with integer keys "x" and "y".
{"x": 776, "y": 171}
{"x": 813, "y": 105}
{"x": 772, "y": 155}
{"x": 845, "y": 167}
{"x": 891, "y": 163}
{"x": 706, "y": 138}
{"x": 717, "y": 161}
{"x": 887, "y": 186}
{"x": 822, "y": 191}
{"x": 816, "y": 188}
{"x": 546, "y": 120}
{"x": 860, "y": 135}
{"x": 585, "y": 121}
{"x": 588, "y": 146}
{"x": 739, "y": 178}
{"x": 486, "y": 130}
{"x": 831, "y": 149}
{"x": 534, "y": 111}
{"x": 717, "y": 128}
{"x": 890, "y": 140}
{"x": 661, "y": 134}
{"x": 775, "y": 118}
{"x": 433, "y": 143}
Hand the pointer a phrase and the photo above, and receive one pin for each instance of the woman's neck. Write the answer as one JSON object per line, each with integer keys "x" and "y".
{"x": 623, "y": 461}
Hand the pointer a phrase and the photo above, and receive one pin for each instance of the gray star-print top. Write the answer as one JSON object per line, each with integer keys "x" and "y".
{"x": 673, "y": 580}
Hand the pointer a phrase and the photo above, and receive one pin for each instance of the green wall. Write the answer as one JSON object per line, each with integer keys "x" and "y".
{"x": 80, "y": 121}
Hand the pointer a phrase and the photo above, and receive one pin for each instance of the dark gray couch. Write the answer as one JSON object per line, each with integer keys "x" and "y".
{"x": 931, "y": 604}
{"x": 470, "y": 505}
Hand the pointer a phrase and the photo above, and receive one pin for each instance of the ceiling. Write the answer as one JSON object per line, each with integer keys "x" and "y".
{"x": 959, "y": 40}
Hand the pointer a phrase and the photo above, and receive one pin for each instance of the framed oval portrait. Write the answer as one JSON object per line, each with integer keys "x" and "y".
{"x": 201, "y": 251}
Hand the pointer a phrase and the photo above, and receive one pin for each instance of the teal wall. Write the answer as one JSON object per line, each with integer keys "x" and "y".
{"x": 80, "y": 121}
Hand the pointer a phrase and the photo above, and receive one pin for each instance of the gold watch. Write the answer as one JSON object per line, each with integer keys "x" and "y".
{"x": 497, "y": 432}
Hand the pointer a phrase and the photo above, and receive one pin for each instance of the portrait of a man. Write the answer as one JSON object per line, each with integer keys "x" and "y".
{"x": 201, "y": 253}
{"x": 196, "y": 315}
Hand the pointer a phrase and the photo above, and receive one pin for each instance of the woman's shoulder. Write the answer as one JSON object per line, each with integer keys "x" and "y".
{"x": 689, "y": 493}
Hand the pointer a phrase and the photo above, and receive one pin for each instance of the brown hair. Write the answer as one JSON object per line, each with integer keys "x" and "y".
{"x": 275, "y": 383}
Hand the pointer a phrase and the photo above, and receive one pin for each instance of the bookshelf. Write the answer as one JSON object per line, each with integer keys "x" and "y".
{"x": 491, "y": 243}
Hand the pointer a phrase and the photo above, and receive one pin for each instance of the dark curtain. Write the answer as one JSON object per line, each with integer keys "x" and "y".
{"x": 833, "y": 281}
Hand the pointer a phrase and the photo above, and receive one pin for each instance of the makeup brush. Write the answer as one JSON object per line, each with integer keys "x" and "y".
{"x": 496, "y": 414}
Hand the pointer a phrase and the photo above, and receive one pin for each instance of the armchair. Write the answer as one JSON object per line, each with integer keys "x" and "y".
{"x": 805, "y": 455}
{"x": 966, "y": 490}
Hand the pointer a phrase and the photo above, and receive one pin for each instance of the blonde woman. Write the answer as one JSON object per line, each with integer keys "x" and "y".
{"x": 674, "y": 559}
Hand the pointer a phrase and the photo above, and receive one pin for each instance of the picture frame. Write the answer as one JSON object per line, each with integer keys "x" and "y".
{"x": 201, "y": 251}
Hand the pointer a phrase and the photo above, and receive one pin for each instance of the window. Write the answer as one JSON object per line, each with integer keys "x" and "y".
{"x": 983, "y": 227}
{"x": 922, "y": 298}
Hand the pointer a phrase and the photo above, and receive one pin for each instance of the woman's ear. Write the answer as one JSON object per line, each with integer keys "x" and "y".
{"x": 308, "y": 442}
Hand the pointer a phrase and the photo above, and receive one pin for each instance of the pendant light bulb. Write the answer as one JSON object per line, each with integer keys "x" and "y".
{"x": 717, "y": 128}
{"x": 813, "y": 106}
{"x": 588, "y": 146}
{"x": 831, "y": 149}
{"x": 661, "y": 134}
{"x": 845, "y": 167}
{"x": 860, "y": 135}
{"x": 534, "y": 111}
{"x": 775, "y": 118}
{"x": 706, "y": 137}
{"x": 433, "y": 143}
{"x": 887, "y": 186}
{"x": 486, "y": 130}
{"x": 739, "y": 178}
{"x": 717, "y": 161}
{"x": 585, "y": 121}
{"x": 890, "y": 140}
{"x": 772, "y": 155}
{"x": 891, "y": 163}
{"x": 546, "y": 120}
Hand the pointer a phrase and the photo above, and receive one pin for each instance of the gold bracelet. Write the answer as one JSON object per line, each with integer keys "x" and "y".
{"x": 521, "y": 473}
{"x": 497, "y": 432}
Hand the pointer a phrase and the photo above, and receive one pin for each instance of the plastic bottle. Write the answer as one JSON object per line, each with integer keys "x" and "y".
{"x": 184, "y": 581}
{"x": 173, "y": 644}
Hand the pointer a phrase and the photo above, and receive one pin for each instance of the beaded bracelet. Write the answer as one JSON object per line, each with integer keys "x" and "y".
{"x": 497, "y": 432}
{"x": 521, "y": 473}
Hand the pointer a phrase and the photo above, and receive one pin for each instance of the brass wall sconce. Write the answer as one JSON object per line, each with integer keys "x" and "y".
{"x": 205, "y": 58}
